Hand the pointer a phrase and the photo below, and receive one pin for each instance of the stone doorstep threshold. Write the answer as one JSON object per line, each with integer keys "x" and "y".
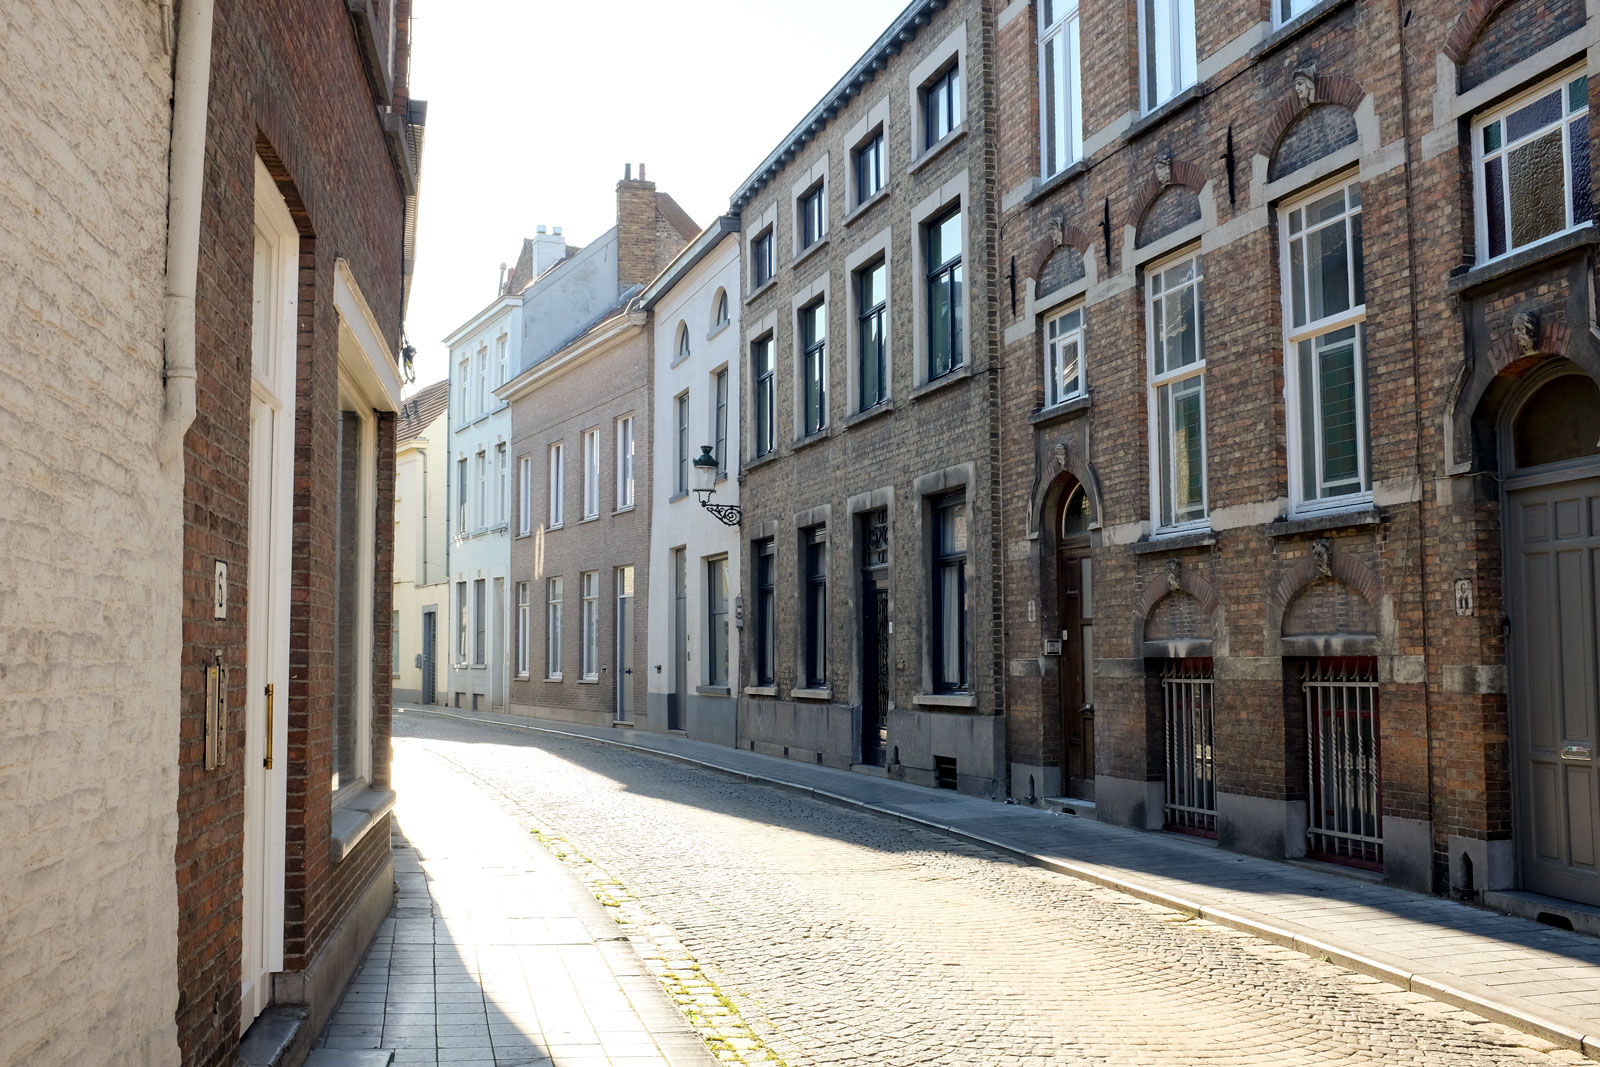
{"x": 1556, "y": 1027}
{"x": 1579, "y": 917}
{"x": 278, "y": 1038}
{"x": 340, "y": 1057}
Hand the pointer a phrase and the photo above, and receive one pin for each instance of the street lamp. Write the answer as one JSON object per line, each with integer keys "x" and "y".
{"x": 705, "y": 484}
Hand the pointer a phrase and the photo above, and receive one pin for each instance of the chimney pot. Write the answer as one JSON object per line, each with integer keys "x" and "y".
{"x": 540, "y": 229}
{"x": 627, "y": 172}
{"x": 641, "y": 172}
{"x": 557, "y": 231}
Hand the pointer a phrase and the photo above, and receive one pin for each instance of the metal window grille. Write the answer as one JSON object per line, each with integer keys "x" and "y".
{"x": 1344, "y": 797}
{"x": 1191, "y": 753}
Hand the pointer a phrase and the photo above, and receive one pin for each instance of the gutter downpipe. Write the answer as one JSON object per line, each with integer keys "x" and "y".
{"x": 185, "y": 184}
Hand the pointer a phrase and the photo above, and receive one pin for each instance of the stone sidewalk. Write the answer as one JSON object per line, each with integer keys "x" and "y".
{"x": 495, "y": 955}
{"x": 1529, "y": 976}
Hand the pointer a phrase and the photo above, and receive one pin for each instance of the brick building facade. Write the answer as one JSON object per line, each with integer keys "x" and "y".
{"x": 870, "y": 481}
{"x": 1282, "y": 343}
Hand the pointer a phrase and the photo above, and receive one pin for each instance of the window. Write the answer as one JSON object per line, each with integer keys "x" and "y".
{"x": 944, "y": 293}
{"x": 462, "y": 392}
{"x": 765, "y": 397}
{"x": 719, "y": 422}
{"x": 720, "y": 316}
{"x": 461, "y": 623}
{"x": 941, "y": 106}
{"x": 868, "y": 162}
{"x": 717, "y": 621}
{"x": 501, "y": 492}
{"x": 525, "y": 494}
{"x": 1166, "y": 49}
{"x": 480, "y": 611}
{"x": 766, "y": 633}
{"x": 625, "y": 462}
{"x": 552, "y": 629}
{"x": 761, "y": 260}
{"x": 461, "y": 496}
{"x": 811, "y": 217}
{"x": 872, "y": 303}
{"x": 1286, "y": 11}
{"x": 1177, "y": 386}
{"x": 524, "y": 623}
{"x": 481, "y": 468}
{"x": 558, "y": 485}
{"x": 483, "y": 381}
{"x": 591, "y": 473}
{"x": 1063, "y": 358}
{"x": 815, "y": 552}
{"x": 394, "y": 645}
{"x": 682, "y": 409}
{"x": 814, "y": 373}
{"x": 1531, "y": 164}
{"x": 590, "y": 625}
{"x": 1324, "y": 367}
{"x": 683, "y": 343}
{"x": 501, "y": 359}
{"x": 950, "y": 595}
{"x": 1060, "y": 107}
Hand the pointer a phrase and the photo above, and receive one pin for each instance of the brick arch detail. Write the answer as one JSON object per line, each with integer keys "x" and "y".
{"x": 1157, "y": 589}
{"x": 1071, "y": 237}
{"x": 1345, "y": 568}
{"x": 1046, "y": 490}
{"x": 1465, "y": 29}
{"x": 1184, "y": 173}
{"x": 1332, "y": 89}
{"x": 1552, "y": 341}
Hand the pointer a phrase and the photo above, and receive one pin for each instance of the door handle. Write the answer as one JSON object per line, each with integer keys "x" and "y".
{"x": 267, "y": 763}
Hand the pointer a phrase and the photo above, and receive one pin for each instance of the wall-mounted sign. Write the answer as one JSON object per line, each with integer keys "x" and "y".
{"x": 219, "y": 595}
{"x": 1463, "y": 597}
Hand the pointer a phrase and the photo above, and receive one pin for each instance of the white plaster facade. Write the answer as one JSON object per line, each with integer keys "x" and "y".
{"x": 421, "y": 564}
{"x": 89, "y": 623}
{"x": 684, "y": 303}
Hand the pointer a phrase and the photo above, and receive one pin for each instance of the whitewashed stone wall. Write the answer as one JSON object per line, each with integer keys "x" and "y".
{"x": 90, "y": 540}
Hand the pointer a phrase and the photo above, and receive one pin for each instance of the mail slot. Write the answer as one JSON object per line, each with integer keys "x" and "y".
{"x": 1578, "y": 750}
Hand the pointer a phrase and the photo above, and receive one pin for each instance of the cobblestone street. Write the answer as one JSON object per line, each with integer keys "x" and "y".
{"x": 840, "y": 938}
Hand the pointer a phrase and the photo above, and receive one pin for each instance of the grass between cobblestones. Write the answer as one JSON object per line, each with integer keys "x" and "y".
{"x": 712, "y": 1014}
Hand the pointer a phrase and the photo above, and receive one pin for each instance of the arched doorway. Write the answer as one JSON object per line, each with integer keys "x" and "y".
{"x": 1075, "y": 610}
{"x": 1550, "y": 464}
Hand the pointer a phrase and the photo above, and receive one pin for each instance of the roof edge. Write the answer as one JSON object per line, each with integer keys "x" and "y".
{"x": 685, "y": 261}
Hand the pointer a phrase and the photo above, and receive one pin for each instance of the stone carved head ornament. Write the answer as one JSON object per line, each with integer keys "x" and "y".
{"x": 1305, "y": 86}
{"x": 1164, "y": 169}
{"x": 1321, "y": 554}
{"x": 1060, "y": 454}
{"x": 1174, "y": 575}
{"x": 1525, "y": 331}
{"x": 1057, "y": 232}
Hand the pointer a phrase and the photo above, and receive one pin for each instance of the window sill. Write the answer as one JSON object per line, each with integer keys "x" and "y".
{"x": 824, "y": 693}
{"x": 623, "y": 510}
{"x": 1172, "y": 542}
{"x": 1298, "y": 25}
{"x": 761, "y": 691}
{"x": 1056, "y": 181}
{"x": 808, "y": 251}
{"x": 867, "y": 205}
{"x": 718, "y": 328}
{"x": 554, "y": 678}
{"x": 354, "y": 817}
{"x": 946, "y": 700}
{"x": 960, "y": 374}
{"x": 675, "y": 497}
{"x": 882, "y": 408}
{"x": 713, "y": 691}
{"x": 934, "y": 151}
{"x": 1364, "y": 515}
{"x": 761, "y": 290}
{"x": 588, "y": 519}
{"x": 523, "y": 677}
{"x": 588, "y": 681}
{"x": 1062, "y": 410}
{"x": 524, "y": 533}
{"x": 555, "y": 526}
{"x": 1171, "y": 107}
{"x": 500, "y": 527}
{"x": 760, "y": 461}
{"x": 1525, "y": 259}
{"x": 812, "y": 439}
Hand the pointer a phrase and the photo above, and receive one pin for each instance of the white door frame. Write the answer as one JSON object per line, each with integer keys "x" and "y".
{"x": 273, "y": 349}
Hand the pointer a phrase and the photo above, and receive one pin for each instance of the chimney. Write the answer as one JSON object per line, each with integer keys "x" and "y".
{"x": 548, "y": 249}
{"x": 636, "y": 229}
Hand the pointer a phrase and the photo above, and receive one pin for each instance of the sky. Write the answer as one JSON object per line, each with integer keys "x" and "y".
{"x": 534, "y": 106}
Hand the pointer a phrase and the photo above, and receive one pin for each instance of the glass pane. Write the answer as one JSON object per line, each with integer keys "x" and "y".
{"x": 1531, "y": 117}
{"x": 1050, "y": 101}
{"x": 1069, "y": 368}
{"x": 950, "y": 625}
{"x": 1558, "y": 422}
{"x": 938, "y": 327}
{"x": 1328, "y": 272}
{"x": 1491, "y": 137}
{"x": 1336, "y": 387}
{"x": 1306, "y": 381}
{"x": 1538, "y": 189}
{"x": 1494, "y": 197}
{"x": 1358, "y": 264}
{"x": 871, "y": 388}
{"x": 1578, "y": 94}
{"x": 1047, "y": 12}
{"x": 1578, "y": 153}
{"x": 1164, "y": 449}
{"x": 956, "y": 314}
{"x": 1297, "y": 279}
{"x": 1182, "y": 338}
{"x": 1188, "y": 451}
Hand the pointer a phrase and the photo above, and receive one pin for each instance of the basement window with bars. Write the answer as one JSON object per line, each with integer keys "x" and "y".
{"x": 1344, "y": 791}
{"x": 1191, "y": 764}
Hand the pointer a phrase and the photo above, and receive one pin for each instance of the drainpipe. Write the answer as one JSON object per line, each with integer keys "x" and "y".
{"x": 185, "y": 182}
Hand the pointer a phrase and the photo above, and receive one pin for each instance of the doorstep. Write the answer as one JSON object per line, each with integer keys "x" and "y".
{"x": 278, "y": 1038}
{"x": 1543, "y": 909}
{"x": 350, "y": 1057}
{"x": 1068, "y": 806}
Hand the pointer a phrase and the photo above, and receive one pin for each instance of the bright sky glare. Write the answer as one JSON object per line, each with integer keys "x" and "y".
{"x": 535, "y": 105}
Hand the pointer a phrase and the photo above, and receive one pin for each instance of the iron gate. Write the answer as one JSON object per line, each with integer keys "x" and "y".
{"x": 1191, "y": 769}
{"x": 1344, "y": 798}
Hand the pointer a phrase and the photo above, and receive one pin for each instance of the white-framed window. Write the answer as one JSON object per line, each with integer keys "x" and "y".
{"x": 558, "y": 486}
{"x": 461, "y": 496}
{"x": 1531, "y": 167}
{"x": 480, "y": 620}
{"x": 719, "y": 420}
{"x": 524, "y": 623}
{"x": 1063, "y": 357}
{"x": 717, "y": 621}
{"x": 681, "y": 444}
{"x": 625, "y": 462}
{"x": 483, "y": 381}
{"x": 1060, "y": 99}
{"x": 462, "y": 651}
{"x": 1325, "y": 360}
{"x": 502, "y": 351}
{"x": 1286, "y": 11}
{"x": 719, "y": 317}
{"x": 464, "y": 412}
{"x": 1166, "y": 49}
{"x": 590, "y": 624}
{"x": 591, "y": 474}
{"x": 683, "y": 348}
{"x": 525, "y": 494}
{"x": 1177, "y": 394}
{"x": 552, "y": 629}
{"x": 481, "y": 468}
{"x": 502, "y": 474}
{"x": 355, "y": 540}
